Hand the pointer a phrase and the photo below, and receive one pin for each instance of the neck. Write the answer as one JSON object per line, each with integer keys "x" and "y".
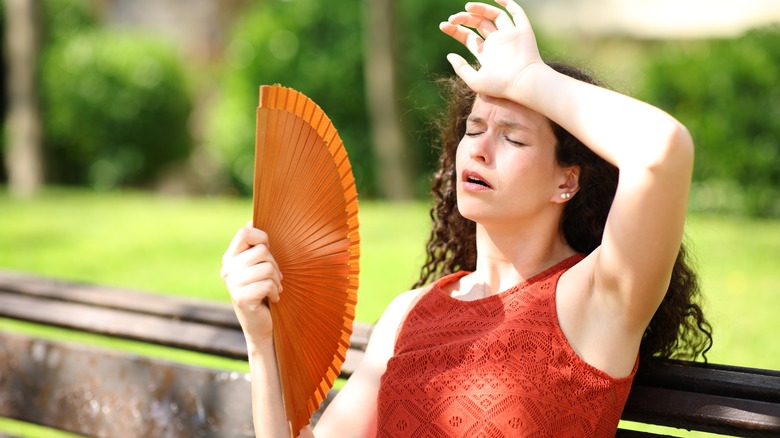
{"x": 508, "y": 257}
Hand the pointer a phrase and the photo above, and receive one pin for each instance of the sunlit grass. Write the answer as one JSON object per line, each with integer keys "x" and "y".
{"x": 22, "y": 429}
{"x": 175, "y": 245}
{"x": 739, "y": 263}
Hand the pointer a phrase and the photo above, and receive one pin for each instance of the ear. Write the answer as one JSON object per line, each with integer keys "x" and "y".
{"x": 570, "y": 184}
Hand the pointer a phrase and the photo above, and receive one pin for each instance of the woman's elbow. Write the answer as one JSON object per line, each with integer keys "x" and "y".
{"x": 682, "y": 148}
{"x": 676, "y": 151}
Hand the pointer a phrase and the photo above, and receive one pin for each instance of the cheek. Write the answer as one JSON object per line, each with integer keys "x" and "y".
{"x": 461, "y": 155}
{"x": 527, "y": 169}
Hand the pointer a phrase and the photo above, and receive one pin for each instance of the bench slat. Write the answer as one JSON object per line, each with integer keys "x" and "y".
{"x": 167, "y": 306}
{"x": 704, "y": 412}
{"x": 160, "y": 325}
{"x": 741, "y": 382}
{"x": 103, "y": 393}
{"x": 626, "y": 433}
{"x": 184, "y": 308}
{"x": 141, "y": 327}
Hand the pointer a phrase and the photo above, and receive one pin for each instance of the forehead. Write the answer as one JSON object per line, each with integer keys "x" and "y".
{"x": 502, "y": 111}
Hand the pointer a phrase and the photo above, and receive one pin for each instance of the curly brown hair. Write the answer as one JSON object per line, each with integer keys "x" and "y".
{"x": 678, "y": 330}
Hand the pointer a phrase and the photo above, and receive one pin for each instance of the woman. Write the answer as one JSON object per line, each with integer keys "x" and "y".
{"x": 553, "y": 268}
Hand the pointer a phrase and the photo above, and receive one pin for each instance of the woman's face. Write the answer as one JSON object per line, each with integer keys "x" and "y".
{"x": 505, "y": 164}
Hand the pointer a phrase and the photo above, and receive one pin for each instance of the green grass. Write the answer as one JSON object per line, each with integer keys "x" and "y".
{"x": 174, "y": 245}
{"x": 739, "y": 261}
{"x": 20, "y": 428}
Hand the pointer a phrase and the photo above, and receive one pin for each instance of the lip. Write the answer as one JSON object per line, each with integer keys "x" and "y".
{"x": 472, "y": 186}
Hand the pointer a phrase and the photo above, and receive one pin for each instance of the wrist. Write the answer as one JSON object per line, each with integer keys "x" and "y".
{"x": 259, "y": 348}
{"x": 528, "y": 82}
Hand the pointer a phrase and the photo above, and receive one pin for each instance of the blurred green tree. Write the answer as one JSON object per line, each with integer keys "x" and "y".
{"x": 318, "y": 49}
{"x": 116, "y": 109}
{"x": 726, "y": 92}
{"x": 115, "y": 105}
{"x": 422, "y": 57}
{"x": 312, "y": 46}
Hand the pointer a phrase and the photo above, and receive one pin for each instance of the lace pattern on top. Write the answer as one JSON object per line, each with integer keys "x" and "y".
{"x": 494, "y": 367}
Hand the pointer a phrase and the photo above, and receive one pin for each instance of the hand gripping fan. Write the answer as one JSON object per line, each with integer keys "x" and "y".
{"x": 306, "y": 201}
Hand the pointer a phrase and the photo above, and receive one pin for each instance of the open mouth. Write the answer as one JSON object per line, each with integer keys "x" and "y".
{"x": 477, "y": 181}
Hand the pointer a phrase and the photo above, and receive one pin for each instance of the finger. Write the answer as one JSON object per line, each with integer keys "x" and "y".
{"x": 483, "y": 26}
{"x": 492, "y": 13}
{"x": 459, "y": 33}
{"x": 261, "y": 273}
{"x": 461, "y": 67}
{"x": 257, "y": 292}
{"x": 253, "y": 256}
{"x": 244, "y": 238}
{"x": 237, "y": 244}
{"x": 252, "y": 295}
{"x": 517, "y": 12}
{"x": 463, "y": 35}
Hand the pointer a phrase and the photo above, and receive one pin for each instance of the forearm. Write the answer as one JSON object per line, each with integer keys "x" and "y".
{"x": 624, "y": 131}
{"x": 267, "y": 405}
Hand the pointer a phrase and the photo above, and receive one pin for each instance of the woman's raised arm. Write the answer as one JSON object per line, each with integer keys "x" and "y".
{"x": 652, "y": 150}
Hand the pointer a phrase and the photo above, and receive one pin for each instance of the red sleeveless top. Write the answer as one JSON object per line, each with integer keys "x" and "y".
{"x": 499, "y": 366}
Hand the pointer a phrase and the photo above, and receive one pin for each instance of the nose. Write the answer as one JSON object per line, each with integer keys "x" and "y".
{"x": 480, "y": 148}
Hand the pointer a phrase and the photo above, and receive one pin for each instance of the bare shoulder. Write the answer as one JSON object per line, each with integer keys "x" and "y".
{"x": 382, "y": 342}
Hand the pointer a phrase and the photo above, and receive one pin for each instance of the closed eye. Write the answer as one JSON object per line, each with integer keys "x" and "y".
{"x": 515, "y": 142}
{"x": 472, "y": 134}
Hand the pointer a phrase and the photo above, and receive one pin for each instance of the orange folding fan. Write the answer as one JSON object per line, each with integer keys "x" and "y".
{"x": 305, "y": 199}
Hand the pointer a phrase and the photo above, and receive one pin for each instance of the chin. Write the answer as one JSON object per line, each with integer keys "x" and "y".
{"x": 471, "y": 212}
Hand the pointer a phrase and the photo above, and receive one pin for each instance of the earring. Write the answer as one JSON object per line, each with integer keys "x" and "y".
{"x": 565, "y": 195}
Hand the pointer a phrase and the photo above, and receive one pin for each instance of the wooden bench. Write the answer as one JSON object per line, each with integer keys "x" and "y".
{"x": 100, "y": 392}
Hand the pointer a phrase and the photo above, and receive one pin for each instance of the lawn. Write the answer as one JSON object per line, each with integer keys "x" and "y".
{"x": 174, "y": 245}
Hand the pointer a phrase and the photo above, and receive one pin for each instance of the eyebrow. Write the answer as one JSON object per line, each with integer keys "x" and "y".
{"x": 515, "y": 126}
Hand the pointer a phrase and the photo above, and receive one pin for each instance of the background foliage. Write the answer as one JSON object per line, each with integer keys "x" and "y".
{"x": 309, "y": 45}
{"x": 116, "y": 110}
{"x": 726, "y": 92}
{"x": 115, "y": 104}
{"x": 317, "y": 48}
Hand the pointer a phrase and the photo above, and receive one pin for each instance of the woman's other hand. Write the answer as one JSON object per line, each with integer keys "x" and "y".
{"x": 253, "y": 279}
{"x": 502, "y": 41}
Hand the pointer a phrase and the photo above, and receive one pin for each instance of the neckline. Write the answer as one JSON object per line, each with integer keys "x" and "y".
{"x": 563, "y": 265}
